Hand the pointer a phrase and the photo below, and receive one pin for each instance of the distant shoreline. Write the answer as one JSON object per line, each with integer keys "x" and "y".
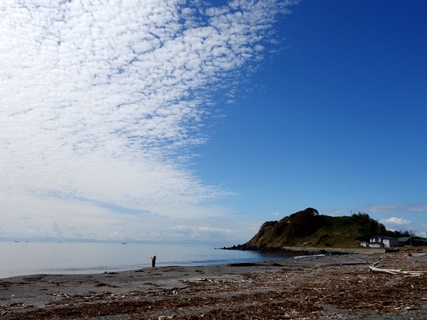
{"x": 348, "y": 250}
{"x": 308, "y": 249}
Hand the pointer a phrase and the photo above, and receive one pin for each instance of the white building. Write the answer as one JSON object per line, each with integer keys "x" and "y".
{"x": 383, "y": 241}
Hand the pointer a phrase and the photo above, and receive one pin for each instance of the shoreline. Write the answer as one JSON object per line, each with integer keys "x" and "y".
{"x": 314, "y": 287}
{"x": 306, "y": 249}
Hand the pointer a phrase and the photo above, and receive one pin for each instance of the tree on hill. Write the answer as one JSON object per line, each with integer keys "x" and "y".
{"x": 308, "y": 226}
{"x": 370, "y": 227}
{"x": 303, "y": 223}
{"x": 297, "y": 225}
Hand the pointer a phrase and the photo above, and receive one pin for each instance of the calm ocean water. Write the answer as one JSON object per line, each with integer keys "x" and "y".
{"x": 25, "y": 258}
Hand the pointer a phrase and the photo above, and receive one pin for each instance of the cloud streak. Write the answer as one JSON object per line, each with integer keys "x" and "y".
{"x": 103, "y": 100}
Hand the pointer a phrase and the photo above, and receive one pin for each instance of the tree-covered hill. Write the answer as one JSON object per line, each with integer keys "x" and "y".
{"x": 308, "y": 227}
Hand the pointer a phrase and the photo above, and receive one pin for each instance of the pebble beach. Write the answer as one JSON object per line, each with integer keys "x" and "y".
{"x": 315, "y": 287}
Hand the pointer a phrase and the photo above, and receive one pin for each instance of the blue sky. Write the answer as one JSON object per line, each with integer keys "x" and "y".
{"x": 336, "y": 120}
{"x": 184, "y": 120}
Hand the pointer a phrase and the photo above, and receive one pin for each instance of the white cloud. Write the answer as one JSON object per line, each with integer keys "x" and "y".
{"x": 47, "y": 217}
{"x": 388, "y": 209}
{"x": 397, "y": 221}
{"x": 103, "y": 100}
{"x": 395, "y": 208}
{"x": 397, "y": 224}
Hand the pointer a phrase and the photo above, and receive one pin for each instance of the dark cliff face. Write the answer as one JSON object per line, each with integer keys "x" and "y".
{"x": 285, "y": 232}
{"x": 308, "y": 227}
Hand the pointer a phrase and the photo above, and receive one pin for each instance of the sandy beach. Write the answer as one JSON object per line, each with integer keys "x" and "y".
{"x": 317, "y": 287}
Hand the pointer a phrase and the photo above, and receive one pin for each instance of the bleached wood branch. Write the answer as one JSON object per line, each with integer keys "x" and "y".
{"x": 395, "y": 271}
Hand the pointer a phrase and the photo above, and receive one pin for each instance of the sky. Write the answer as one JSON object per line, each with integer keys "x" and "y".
{"x": 193, "y": 120}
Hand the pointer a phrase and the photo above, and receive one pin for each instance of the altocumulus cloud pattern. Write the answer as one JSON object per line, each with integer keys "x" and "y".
{"x": 102, "y": 100}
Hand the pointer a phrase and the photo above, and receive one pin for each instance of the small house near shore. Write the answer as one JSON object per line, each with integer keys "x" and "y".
{"x": 383, "y": 241}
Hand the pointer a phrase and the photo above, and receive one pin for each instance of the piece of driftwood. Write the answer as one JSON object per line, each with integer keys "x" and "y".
{"x": 395, "y": 271}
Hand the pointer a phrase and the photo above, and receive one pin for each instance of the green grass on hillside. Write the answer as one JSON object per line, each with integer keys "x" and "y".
{"x": 307, "y": 227}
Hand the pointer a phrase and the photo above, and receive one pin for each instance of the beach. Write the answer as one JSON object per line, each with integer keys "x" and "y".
{"x": 315, "y": 287}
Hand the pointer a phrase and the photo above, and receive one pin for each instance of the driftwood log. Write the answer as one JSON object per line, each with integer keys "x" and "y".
{"x": 396, "y": 271}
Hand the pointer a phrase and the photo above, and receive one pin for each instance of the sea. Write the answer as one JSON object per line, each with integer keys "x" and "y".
{"x": 27, "y": 258}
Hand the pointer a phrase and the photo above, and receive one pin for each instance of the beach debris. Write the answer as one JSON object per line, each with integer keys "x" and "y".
{"x": 64, "y": 295}
{"x": 205, "y": 279}
{"x": 396, "y": 271}
{"x": 301, "y": 291}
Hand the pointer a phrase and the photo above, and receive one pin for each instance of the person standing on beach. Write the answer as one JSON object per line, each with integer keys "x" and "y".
{"x": 153, "y": 261}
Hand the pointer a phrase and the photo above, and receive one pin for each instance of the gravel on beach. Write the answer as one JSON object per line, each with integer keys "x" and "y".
{"x": 317, "y": 287}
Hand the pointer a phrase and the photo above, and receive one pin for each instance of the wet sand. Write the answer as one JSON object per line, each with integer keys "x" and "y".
{"x": 328, "y": 287}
